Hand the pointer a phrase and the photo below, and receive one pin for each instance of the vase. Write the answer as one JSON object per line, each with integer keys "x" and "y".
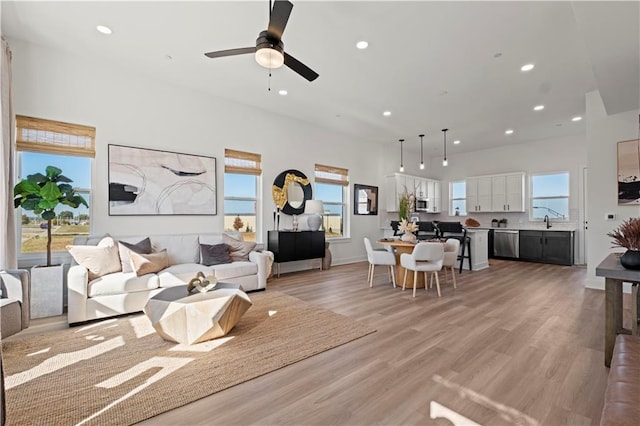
{"x": 314, "y": 221}
{"x": 408, "y": 237}
{"x": 631, "y": 259}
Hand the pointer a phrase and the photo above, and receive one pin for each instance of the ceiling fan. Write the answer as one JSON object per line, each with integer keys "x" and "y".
{"x": 269, "y": 49}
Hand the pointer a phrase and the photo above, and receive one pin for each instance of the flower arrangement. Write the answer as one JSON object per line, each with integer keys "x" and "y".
{"x": 627, "y": 235}
{"x": 407, "y": 227}
{"x": 406, "y": 205}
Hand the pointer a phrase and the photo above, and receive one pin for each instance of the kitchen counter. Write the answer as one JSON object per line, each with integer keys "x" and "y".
{"x": 528, "y": 228}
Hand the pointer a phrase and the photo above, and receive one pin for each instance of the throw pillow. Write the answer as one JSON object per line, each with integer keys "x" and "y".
{"x": 100, "y": 260}
{"x": 214, "y": 254}
{"x": 238, "y": 250}
{"x": 144, "y": 264}
{"x": 141, "y": 247}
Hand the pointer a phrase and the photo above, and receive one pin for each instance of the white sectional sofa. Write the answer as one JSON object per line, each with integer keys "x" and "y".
{"x": 120, "y": 292}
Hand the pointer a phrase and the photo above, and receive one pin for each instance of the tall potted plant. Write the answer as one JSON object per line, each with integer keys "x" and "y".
{"x": 41, "y": 194}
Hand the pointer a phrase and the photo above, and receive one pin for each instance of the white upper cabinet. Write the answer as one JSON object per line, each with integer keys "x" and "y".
{"x": 499, "y": 193}
{"x": 397, "y": 184}
{"x": 479, "y": 194}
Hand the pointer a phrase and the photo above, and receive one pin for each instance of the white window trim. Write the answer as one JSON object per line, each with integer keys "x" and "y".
{"x": 346, "y": 222}
{"x": 62, "y": 256}
{"x": 568, "y": 197}
{"x": 451, "y": 199}
{"x": 257, "y": 200}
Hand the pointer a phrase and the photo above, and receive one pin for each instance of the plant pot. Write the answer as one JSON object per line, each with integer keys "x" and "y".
{"x": 46, "y": 291}
{"x": 631, "y": 259}
{"x": 314, "y": 221}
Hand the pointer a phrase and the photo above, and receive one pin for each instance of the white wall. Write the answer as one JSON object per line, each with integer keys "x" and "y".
{"x": 135, "y": 110}
{"x": 603, "y": 134}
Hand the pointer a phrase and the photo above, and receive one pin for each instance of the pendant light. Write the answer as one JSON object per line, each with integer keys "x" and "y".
{"x": 421, "y": 155}
{"x": 444, "y": 161}
{"x": 401, "y": 162}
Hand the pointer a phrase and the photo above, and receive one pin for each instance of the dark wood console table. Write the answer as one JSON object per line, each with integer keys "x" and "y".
{"x": 615, "y": 274}
{"x": 288, "y": 246}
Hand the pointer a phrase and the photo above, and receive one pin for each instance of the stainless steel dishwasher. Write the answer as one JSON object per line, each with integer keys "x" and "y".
{"x": 506, "y": 243}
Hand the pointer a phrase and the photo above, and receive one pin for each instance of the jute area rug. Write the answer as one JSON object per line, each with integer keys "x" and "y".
{"x": 119, "y": 371}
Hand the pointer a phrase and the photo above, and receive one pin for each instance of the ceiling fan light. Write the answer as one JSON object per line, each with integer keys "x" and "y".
{"x": 269, "y": 58}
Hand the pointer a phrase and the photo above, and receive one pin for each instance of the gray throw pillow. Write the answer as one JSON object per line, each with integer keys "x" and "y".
{"x": 141, "y": 247}
{"x": 214, "y": 254}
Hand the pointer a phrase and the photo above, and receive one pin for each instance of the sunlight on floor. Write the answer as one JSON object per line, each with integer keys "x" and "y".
{"x": 510, "y": 415}
{"x": 207, "y": 346}
{"x": 62, "y": 360}
{"x": 272, "y": 313}
{"x": 42, "y": 351}
{"x": 100, "y": 324}
{"x": 166, "y": 365}
{"x": 438, "y": 411}
{"x": 140, "y": 326}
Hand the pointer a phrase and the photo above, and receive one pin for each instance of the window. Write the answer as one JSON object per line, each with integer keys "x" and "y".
{"x": 71, "y": 148}
{"x": 550, "y": 196}
{"x": 332, "y": 186}
{"x": 241, "y": 202}
{"x": 458, "y": 198}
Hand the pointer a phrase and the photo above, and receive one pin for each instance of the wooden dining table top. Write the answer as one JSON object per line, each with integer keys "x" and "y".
{"x": 400, "y": 243}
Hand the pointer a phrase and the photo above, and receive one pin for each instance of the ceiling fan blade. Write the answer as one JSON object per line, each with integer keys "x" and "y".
{"x": 299, "y": 67}
{"x": 230, "y": 52}
{"x": 279, "y": 17}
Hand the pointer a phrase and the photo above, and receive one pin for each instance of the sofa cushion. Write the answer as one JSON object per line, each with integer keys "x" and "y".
{"x": 214, "y": 254}
{"x": 121, "y": 282}
{"x": 180, "y": 248}
{"x": 235, "y": 269}
{"x": 142, "y": 247}
{"x": 181, "y": 274}
{"x": 99, "y": 260}
{"x": 238, "y": 250}
{"x": 143, "y": 264}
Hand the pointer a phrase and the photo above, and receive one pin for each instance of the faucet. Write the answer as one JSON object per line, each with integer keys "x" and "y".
{"x": 547, "y": 221}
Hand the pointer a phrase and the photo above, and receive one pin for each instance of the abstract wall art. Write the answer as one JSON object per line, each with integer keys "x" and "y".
{"x": 629, "y": 172}
{"x": 152, "y": 182}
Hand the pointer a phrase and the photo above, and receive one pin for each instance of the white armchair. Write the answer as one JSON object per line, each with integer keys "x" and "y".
{"x": 451, "y": 250}
{"x": 426, "y": 257}
{"x": 380, "y": 257}
{"x": 15, "y": 292}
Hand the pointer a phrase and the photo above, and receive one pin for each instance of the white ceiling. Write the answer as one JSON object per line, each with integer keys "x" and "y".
{"x": 433, "y": 64}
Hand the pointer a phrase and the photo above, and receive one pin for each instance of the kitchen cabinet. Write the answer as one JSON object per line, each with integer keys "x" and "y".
{"x": 507, "y": 193}
{"x": 547, "y": 246}
{"x": 478, "y": 193}
{"x": 397, "y": 184}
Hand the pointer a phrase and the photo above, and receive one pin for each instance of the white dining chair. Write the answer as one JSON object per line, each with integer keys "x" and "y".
{"x": 451, "y": 251}
{"x": 426, "y": 257}
{"x": 380, "y": 257}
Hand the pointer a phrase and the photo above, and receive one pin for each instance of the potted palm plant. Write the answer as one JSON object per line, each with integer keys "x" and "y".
{"x": 627, "y": 235}
{"x": 41, "y": 194}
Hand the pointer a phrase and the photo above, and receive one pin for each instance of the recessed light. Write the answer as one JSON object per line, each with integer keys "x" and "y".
{"x": 538, "y": 107}
{"x": 103, "y": 29}
{"x": 527, "y": 67}
{"x": 456, "y": 142}
{"x": 508, "y": 132}
{"x": 282, "y": 92}
{"x": 576, "y": 118}
{"x": 362, "y": 45}
{"x": 386, "y": 113}
{"x": 168, "y": 57}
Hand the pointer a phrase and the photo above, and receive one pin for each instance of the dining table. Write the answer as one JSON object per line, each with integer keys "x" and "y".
{"x": 400, "y": 247}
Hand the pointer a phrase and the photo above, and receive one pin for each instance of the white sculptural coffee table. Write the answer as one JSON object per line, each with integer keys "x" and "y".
{"x": 186, "y": 318}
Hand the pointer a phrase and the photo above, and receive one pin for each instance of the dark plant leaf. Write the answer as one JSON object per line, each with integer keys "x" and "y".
{"x": 37, "y": 178}
{"x": 49, "y": 214}
{"x": 53, "y": 172}
{"x": 62, "y": 178}
{"x": 30, "y": 204}
{"x": 65, "y": 188}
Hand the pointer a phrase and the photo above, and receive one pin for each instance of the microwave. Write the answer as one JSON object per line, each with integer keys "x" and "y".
{"x": 422, "y": 204}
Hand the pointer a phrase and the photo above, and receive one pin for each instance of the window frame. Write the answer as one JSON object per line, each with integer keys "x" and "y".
{"x": 451, "y": 199}
{"x": 250, "y": 165}
{"x": 555, "y": 197}
{"x": 336, "y": 176}
{"x": 59, "y": 139}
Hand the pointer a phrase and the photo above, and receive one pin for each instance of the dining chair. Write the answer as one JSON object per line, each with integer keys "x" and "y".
{"x": 451, "y": 250}
{"x": 380, "y": 257}
{"x": 426, "y": 257}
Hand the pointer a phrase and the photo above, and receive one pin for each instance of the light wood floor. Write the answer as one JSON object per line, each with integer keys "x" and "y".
{"x": 518, "y": 343}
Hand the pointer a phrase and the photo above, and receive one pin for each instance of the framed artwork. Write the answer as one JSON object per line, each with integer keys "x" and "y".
{"x": 365, "y": 199}
{"x": 629, "y": 172}
{"x": 152, "y": 182}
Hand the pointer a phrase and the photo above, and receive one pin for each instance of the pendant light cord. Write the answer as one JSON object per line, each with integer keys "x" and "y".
{"x": 445, "y": 143}
{"x": 401, "y": 158}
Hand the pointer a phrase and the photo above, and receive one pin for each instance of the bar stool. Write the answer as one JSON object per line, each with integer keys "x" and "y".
{"x": 459, "y": 232}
